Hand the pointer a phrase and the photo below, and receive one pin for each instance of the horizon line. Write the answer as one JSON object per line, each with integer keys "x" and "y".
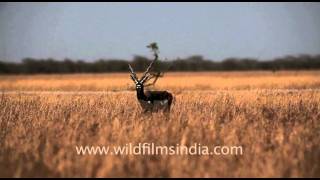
{"x": 161, "y": 59}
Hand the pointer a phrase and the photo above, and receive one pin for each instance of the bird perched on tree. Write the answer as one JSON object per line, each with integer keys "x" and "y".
{"x": 154, "y": 47}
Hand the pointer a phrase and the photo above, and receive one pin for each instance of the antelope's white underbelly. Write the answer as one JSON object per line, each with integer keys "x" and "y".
{"x": 163, "y": 102}
{"x": 155, "y": 103}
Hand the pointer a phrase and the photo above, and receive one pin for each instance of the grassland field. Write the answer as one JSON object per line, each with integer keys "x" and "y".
{"x": 274, "y": 116}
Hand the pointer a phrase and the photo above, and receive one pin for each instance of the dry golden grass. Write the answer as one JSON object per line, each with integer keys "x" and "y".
{"x": 279, "y": 129}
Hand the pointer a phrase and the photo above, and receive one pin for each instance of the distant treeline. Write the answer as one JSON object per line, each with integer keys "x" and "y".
{"x": 139, "y": 63}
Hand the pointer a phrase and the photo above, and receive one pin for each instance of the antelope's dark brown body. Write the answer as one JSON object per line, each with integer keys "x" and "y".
{"x": 154, "y": 100}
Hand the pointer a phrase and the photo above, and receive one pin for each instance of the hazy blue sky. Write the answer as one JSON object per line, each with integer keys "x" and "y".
{"x": 120, "y": 30}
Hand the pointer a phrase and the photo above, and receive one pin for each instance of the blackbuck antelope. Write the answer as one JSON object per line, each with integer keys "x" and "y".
{"x": 151, "y": 100}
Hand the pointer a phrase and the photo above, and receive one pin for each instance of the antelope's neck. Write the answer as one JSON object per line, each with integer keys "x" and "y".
{"x": 140, "y": 94}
